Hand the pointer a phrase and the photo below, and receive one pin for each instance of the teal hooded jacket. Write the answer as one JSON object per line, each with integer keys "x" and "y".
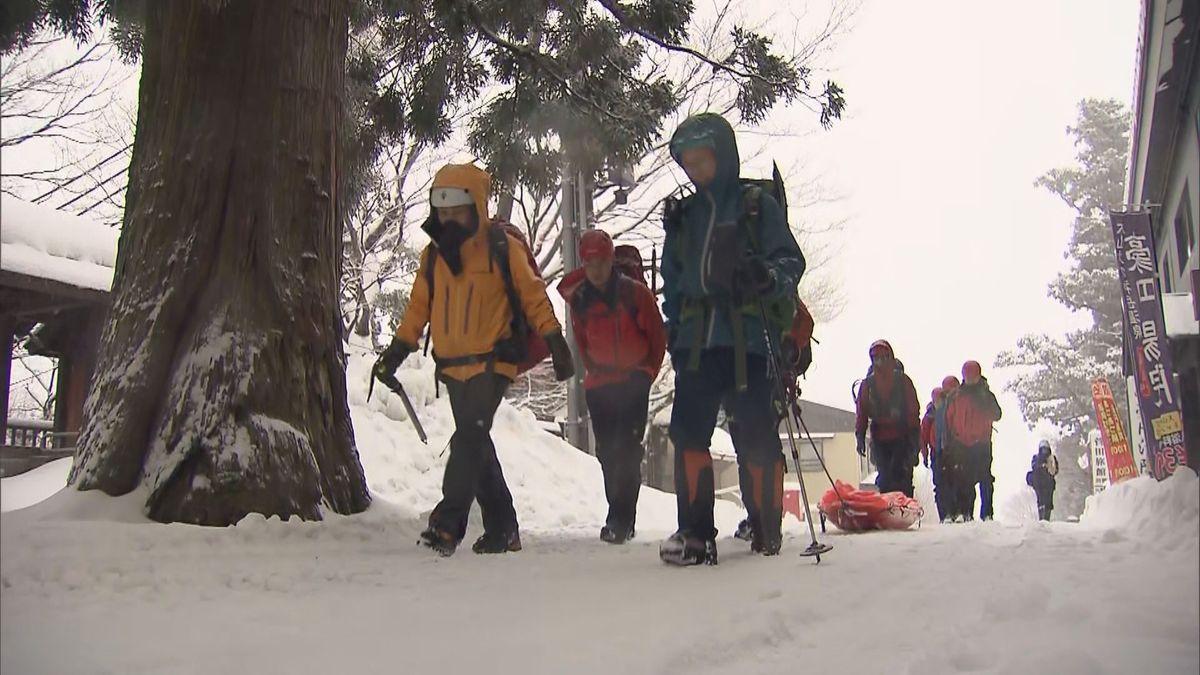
{"x": 718, "y": 207}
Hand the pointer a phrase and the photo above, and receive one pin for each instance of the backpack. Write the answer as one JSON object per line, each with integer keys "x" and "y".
{"x": 787, "y": 315}
{"x": 524, "y": 347}
{"x": 627, "y": 259}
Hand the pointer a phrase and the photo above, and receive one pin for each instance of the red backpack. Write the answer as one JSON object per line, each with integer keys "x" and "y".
{"x": 627, "y": 259}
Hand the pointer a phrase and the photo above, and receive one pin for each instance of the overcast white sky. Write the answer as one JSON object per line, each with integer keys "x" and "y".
{"x": 954, "y": 109}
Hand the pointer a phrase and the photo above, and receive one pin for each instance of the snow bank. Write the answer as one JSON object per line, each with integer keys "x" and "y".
{"x": 1143, "y": 508}
{"x": 42, "y": 242}
{"x": 31, "y": 487}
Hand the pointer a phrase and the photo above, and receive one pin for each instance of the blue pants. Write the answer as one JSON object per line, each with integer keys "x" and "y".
{"x": 699, "y": 395}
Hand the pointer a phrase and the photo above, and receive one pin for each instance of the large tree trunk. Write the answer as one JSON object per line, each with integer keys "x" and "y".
{"x": 221, "y": 385}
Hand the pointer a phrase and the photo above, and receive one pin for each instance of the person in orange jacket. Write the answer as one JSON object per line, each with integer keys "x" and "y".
{"x": 469, "y": 316}
{"x": 622, "y": 342}
{"x": 887, "y": 403}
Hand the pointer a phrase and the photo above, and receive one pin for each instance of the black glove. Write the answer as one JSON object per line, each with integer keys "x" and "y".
{"x": 753, "y": 278}
{"x": 862, "y": 447}
{"x": 925, "y": 460}
{"x": 560, "y": 356}
{"x": 391, "y": 358}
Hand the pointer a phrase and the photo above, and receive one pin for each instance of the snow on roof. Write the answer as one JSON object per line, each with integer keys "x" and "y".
{"x": 1178, "y": 317}
{"x": 41, "y": 242}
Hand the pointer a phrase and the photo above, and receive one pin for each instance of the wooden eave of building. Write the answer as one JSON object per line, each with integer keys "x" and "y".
{"x": 1172, "y": 90}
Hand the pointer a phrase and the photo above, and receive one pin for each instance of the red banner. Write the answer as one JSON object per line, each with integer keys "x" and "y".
{"x": 1116, "y": 443}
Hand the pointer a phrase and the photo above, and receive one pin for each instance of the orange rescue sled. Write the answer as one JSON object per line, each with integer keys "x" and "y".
{"x": 855, "y": 510}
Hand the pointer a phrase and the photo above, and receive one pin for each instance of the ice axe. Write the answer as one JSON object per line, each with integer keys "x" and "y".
{"x": 392, "y": 383}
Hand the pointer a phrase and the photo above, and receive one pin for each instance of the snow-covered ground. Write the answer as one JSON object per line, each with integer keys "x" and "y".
{"x": 88, "y": 586}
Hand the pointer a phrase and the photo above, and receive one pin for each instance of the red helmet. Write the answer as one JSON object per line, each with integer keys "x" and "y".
{"x": 949, "y": 383}
{"x": 936, "y": 394}
{"x": 594, "y": 245}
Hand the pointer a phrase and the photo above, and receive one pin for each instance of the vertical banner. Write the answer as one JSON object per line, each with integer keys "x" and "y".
{"x": 1146, "y": 338}
{"x": 1117, "y": 455}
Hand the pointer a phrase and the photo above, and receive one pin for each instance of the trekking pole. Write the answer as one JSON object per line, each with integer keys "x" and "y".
{"x": 815, "y": 549}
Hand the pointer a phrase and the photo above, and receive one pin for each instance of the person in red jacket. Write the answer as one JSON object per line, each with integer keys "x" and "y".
{"x": 970, "y": 413}
{"x": 928, "y": 444}
{"x": 621, "y": 340}
{"x": 887, "y": 402}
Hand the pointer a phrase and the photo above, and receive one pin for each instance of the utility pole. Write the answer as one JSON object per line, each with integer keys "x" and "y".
{"x": 575, "y": 214}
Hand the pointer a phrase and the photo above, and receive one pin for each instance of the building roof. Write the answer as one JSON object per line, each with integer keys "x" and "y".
{"x": 42, "y": 243}
{"x": 820, "y": 419}
{"x": 824, "y": 419}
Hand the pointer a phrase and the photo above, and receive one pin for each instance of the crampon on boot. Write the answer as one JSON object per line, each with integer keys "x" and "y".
{"x": 683, "y": 549}
{"x": 764, "y": 545}
{"x": 616, "y": 534}
{"x": 506, "y": 542}
{"x": 442, "y": 542}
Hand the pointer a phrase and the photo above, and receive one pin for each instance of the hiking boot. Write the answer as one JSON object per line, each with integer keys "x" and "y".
{"x": 766, "y": 545}
{"x": 497, "y": 543}
{"x": 684, "y": 549}
{"x": 745, "y": 531}
{"x": 615, "y": 535}
{"x": 441, "y": 541}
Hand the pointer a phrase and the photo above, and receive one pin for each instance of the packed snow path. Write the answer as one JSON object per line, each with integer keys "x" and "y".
{"x": 357, "y": 594}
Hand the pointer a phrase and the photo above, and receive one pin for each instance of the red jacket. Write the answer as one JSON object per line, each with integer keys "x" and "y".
{"x": 618, "y": 330}
{"x": 888, "y": 401}
{"x": 970, "y": 412}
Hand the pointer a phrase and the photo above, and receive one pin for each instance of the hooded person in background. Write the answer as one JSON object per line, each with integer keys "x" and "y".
{"x": 887, "y": 403}
{"x": 970, "y": 414}
{"x": 956, "y": 492}
{"x": 467, "y": 309}
{"x": 1041, "y": 477}
{"x": 719, "y": 268}
{"x": 621, "y": 341}
{"x": 928, "y": 445}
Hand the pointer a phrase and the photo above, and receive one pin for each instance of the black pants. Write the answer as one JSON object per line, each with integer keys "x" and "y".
{"x": 760, "y": 479}
{"x": 619, "y": 421}
{"x": 938, "y": 496}
{"x": 894, "y": 459}
{"x": 473, "y": 470}
{"x": 956, "y": 481}
{"x": 1043, "y": 487}
{"x": 981, "y": 461}
{"x": 699, "y": 395}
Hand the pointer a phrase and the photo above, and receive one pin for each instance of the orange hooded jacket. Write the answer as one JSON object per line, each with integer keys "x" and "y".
{"x": 470, "y": 311}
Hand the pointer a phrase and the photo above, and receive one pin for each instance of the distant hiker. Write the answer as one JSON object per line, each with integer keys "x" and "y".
{"x": 970, "y": 413}
{"x": 887, "y": 403}
{"x": 928, "y": 445}
{"x": 1041, "y": 478}
{"x": 474, "y": 299}
{"x": 719, "y": 267}
{"x": 620, "y": 337}
{"x": 955, "y": 489}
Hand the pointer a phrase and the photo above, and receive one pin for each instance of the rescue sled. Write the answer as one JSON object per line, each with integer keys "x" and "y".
{"x": 855, "y": 510}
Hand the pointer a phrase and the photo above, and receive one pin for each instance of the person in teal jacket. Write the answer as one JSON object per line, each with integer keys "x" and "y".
{"x": 728, "y": 255}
